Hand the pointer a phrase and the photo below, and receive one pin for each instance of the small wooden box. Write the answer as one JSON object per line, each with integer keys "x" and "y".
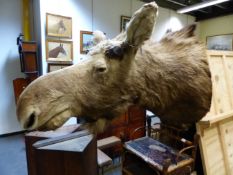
{"x": 29, "y": 61}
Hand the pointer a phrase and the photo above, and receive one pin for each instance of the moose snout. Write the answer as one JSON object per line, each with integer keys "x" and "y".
{"x": 30, "y": 121}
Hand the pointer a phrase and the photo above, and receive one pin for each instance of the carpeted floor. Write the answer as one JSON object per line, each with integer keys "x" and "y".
{"x": 13, "y": 157}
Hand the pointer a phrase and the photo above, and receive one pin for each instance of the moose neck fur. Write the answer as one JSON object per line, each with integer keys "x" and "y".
{"x": 170, "y": 79}
{"x": 177, "y": 93}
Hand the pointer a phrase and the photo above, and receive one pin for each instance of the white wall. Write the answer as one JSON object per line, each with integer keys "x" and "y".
{"x": 216, "y": 26}
{"x": 11, "y": 25}
{"x": 169, "y": 19}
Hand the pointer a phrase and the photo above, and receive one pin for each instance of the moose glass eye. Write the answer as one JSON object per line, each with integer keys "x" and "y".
{"x": 116, "y": 52}
{"x": 101, "y": 69}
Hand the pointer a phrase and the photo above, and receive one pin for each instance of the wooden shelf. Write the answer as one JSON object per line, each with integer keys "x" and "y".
{"x": 208, "y": 121}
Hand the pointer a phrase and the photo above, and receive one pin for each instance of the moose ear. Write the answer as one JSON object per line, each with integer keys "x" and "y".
{"x": 98, "y": 36}
{"x": 141, "y": 24}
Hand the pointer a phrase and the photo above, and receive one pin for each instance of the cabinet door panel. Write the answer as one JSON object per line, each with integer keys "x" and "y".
{"x": 136, "y": 114}
{"x": 19, "y": 85}
{"x": 120, "y": 121}
{"x": 30, "y": 62}
{"x": 134, "y": 132}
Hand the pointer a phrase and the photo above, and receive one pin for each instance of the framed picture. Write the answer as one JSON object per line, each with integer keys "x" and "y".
{"x": 220, "y": 42}
{"x": 58, "y": 26}
{"x": 124, "y": 21}
{"x": 56, "y": 66}
{"x": 86, "y": 41}
{"x": 57, "y": 50}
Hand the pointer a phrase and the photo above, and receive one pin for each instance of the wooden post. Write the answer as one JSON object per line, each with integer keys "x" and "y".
{"x": 26, "y": 19}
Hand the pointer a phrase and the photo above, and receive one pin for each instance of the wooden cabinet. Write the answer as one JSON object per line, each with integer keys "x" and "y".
{"x": 29, "y": 66}
{"x": 124, "y": 125}
{"x": 28, "y": 58}
{"x": 20, "y": 84}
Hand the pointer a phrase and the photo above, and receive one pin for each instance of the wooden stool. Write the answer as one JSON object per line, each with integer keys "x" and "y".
{"x": 104, "y": 159}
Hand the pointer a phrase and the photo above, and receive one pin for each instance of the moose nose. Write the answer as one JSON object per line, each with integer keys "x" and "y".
{"x": 29, "y": 123}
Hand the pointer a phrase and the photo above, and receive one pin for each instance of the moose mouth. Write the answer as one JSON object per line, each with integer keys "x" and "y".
{"x": 56, "y": 121}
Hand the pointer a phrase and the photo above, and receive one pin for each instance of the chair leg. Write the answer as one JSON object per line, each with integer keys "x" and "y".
{"x": 157, "y": 173}
{"x": 101, "y": 171}
{"x": 166, "y": 164}
{"x": 194, "y": 152}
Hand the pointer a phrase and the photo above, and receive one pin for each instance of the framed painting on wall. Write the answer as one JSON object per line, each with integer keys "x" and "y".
{"x": 58, "y": 26}
{"x": 220, "y": 42}
{"x": 86, "y": 41}
{"x": 124, "y": 22}
{"x": 60, "y": 51}
{"x": 57, "y": 66}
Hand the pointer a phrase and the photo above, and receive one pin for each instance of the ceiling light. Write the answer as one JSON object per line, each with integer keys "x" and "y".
{"x": 200, "y": 5}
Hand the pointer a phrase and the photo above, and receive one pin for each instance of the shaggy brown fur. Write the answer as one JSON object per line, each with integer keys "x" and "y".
{"x": 170, "y": 78}
{"x": 177, "y": 78}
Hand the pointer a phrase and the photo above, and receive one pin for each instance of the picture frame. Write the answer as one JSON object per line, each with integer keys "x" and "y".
{"x": 57, "y": 66}
{"x": 58, "y": 26}
{"x": 86, "y": 41}
{"x": 220, "y": 42}
{"x": 59, "y": 51}
{"x": 124, "y": 21}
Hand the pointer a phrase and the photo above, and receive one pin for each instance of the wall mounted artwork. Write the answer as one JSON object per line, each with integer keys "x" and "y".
{"x": 58, "y": 26}
{"x": 124, "y": 22}
{"x": 57, "y": 66}
{"x": 220, "y": 42}
{"x": 86, "y": 41}
{"x": 58, "y": 51}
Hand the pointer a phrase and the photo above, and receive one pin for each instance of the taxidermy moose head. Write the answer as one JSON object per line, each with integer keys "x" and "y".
{"x": 170, "y": 78}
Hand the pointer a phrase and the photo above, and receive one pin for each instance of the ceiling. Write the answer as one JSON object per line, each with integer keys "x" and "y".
{"x": 224, "y": 8}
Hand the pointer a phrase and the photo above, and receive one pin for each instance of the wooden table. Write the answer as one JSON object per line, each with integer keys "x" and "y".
{"x": 160, "y": 157}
